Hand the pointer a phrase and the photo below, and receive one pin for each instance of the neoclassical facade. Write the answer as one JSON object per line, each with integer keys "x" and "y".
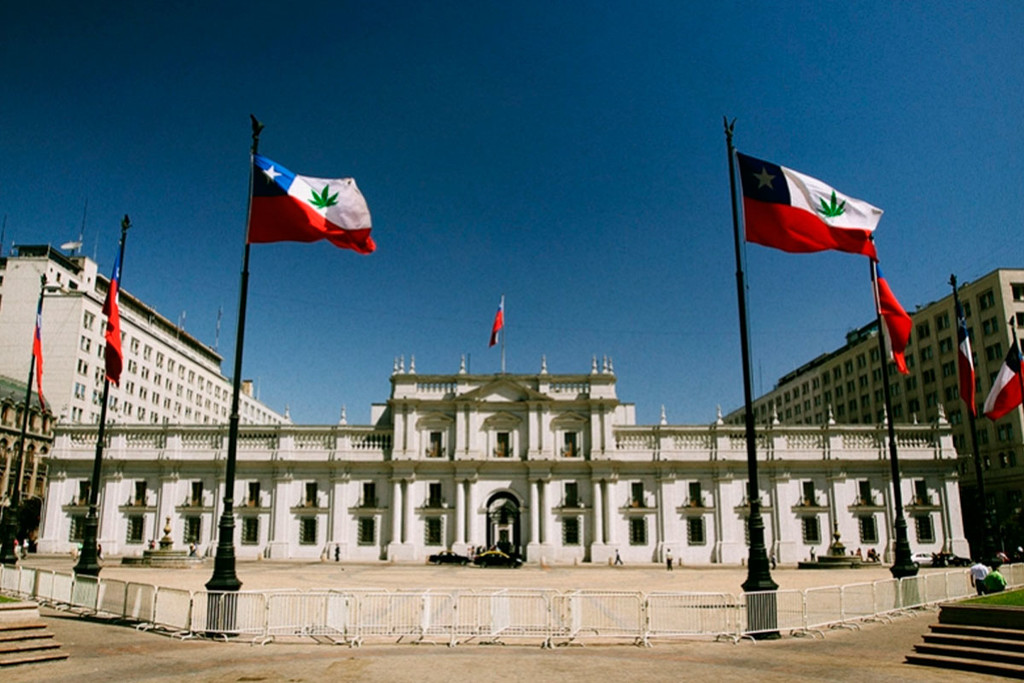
{"x": 552, "y": 466}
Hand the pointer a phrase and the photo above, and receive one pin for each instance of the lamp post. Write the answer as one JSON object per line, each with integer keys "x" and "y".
{"x": 12, "y": 514}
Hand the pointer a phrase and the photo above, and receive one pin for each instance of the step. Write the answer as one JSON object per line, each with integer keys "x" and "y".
{"x": 990, "y": 668}
{"x": 34, "y": 658}
{"x": 972, "y": 653}
{"x": 974, "y": 641}
{"x": 29, "y": 646}
{"x": 20, "y": 636}
{"x": 979, "y": 631}
{"x": 20, "y": 625}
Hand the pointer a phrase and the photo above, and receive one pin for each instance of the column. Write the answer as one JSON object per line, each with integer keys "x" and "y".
{"x": 407, "y": 505}
{"x": 610, "y": 517}
{"x": 460, "y": 513}
{"x": 534, "y": 512}
{"x": 598, "y": 513}
{"x": 545, "y": 512}
{"x": 396, "y": 511}
{"x": 471, "y": 536}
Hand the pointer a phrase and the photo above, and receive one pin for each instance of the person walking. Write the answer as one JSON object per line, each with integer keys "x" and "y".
{"x": 618, "y": 560}
{"x": 978, "y": 573}
{"x": 668, "y": 559}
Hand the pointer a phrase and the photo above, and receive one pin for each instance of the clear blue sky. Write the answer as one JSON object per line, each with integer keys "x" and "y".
{"x": 569, "y": 155}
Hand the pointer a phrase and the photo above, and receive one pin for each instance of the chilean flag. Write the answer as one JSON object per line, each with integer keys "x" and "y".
{"x": 793, "y": 212}
{"x": 112, "y": 350}
{"x": 499, "y": 322}
{"x": 1005, "y": 394}
{"x": 292, "y": 208}
{"x": 897, "y": 323}
{"x": 37, "y": 352}
{"x": 965, "y": 361}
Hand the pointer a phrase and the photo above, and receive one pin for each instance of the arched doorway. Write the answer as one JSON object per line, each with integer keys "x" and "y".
{"x": 503, "y": 527}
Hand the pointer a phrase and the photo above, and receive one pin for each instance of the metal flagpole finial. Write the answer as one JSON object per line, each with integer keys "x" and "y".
{"x": 257, "y": 128}
{"x": 126, "y": 223}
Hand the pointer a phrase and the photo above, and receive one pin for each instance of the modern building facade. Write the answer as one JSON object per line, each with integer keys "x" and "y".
{"x": 551, "y": 466}
{"x": 169, "y": 376}
{"x": 847, "y": 384}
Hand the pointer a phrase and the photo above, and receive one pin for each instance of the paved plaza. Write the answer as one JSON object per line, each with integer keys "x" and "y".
{"x": 102, "y": 651}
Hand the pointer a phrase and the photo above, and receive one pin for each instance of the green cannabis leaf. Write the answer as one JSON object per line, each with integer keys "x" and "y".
{"x": 322, "y": 200}
{"x": 832, "y": 210}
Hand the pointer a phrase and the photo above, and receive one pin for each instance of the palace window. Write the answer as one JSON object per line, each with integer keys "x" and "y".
{"x": 434, "y": 449}
{"x": 433, "y": 531}
{"x": 569, "y": 447}
{"x": 77, "y": 528}
{"x": 140, "y": 493}
{"x": 502, "y": 445}
{"x": 434, "y": 499}
{"x": 925, "y": 530}
{"x": 369, "y": 495}
{"x": 193, "y": 530}
{"x": 250, "y": 530}
{"x": 136, "y": 529}
{"x": 695, "y": 531}
{"x": 571, "y": 531}
{"x": 811, "y": 529}
{"x": 572, "y": 494}
{"x": 868, "y": 529}
{"x": 367, "y": 531}
{"x": 696, "y": 498}
{"x": 307, "y": 531}
{"x": 311, "y": 495}
{"x": 253, "y": 498}
{"x": 638, "y": 531}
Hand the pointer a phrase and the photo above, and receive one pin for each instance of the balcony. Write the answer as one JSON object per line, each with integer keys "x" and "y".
{"x": 923, "y": 504}
{"x": 871, "y": 504}
{"x": 433, "y": 451}
{"x": 195, "y": 505}
{"x": 744, "y": 507}
{"x": 571, "y": 505}
{"x": 695, "y": 506}
{"x": 366, "y": 505}
{"x": 434, "y": 504}
{"x": 636, "y": 505}
{"x": 810, "y": 505}
{"x": 137, "y": 505}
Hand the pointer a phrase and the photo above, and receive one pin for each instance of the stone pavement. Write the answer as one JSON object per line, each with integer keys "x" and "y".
{"x": 105, "y": 651}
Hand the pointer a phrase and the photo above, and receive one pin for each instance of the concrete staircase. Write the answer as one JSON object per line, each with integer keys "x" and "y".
{"x": 995, "y": 647}
{"x": 27, "y": 642}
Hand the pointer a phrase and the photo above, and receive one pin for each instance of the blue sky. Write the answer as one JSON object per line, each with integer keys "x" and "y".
{"x": 569, "y": 155}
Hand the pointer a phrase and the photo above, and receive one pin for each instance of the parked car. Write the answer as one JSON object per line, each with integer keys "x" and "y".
{"x": 923, "y": 559}
{"x": 950, "y": 560}
{"x": 496, "y": 558}
{"x": 448, "y": 557}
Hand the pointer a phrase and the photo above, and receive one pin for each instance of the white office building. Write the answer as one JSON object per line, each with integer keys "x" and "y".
{"x": 169, "y": 376}
{"x": 550, "y": 466}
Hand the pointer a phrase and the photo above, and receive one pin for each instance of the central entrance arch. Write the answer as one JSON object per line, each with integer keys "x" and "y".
{"x": 504, "y": 530}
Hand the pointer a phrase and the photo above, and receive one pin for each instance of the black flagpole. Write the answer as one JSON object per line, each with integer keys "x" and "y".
{"x": 89, "y": 560}
{"x": 762, "y": 615}
{"x": 224, "y": 578}
{"x": 984, "y": 521}
{"x": 12, "y": 515}
{"x": 903, "y": 564}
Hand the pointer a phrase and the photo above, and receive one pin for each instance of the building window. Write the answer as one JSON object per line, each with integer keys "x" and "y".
{"x": 570, "y": 531}
{"x": 501, "y": 445}
{"x": 311, "y": 495}
{"x": 986, "y": 300}
{"x": 696, "y": 498}
{"x": 193, "y": 530}
{"x": 810, "y": 498}
{"x": 921, "y": 496}
{"x": 434, "y": 528}
{"x": 196, "y": 499}
{"x": 87, "y": 320}
{"x": 572, "y": 494}
{"x": 367, "y": 531}
{"x": 434, "y": 499}
{"x": 925, "y": 531}
{"x": 250, "y": 530}
{"x": 695, "y": 531}
{"x": 307, "y": 531}
{"x": 569, "y": 448}
{"x": 434, "y": 449}
{"x": 638, "y": 531}
{"x": 864, "y": 496}
{"x": 135, "y": 529}
{"x": 636, "y": 494}
{"x": 253, "y": 499}
{"x": 77, "y": 528}
{"x": 369, "y": 495}
{"x": 868, "y": 529}
{"x": 812, "y": 530}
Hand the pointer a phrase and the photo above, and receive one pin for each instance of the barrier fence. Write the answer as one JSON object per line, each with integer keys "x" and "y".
{"x": 543, "y": 616}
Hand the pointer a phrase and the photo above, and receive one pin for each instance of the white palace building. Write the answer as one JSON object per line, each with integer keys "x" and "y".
{"x": 551, "y": 466}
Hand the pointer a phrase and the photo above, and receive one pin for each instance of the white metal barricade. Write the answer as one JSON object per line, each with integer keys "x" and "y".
{"x": 140, "y": 602}
{"x": 85, "y": 592}
{"x": 63, "y": 587}
{"x": 44, "y": 586}
{"x": 912, "y": 591}
{"x": 602, "y": 614}
{"x": 10, "y": 579}
{"x": 112, "y": 597}
{"x": 173, "y": 609}
{"x": 772, "y": 611}
{"x": 395, "y": 615}
{"x": 858, "y": 601}
{"x": 692, "y": 614}
{"x": 229, "y": 613}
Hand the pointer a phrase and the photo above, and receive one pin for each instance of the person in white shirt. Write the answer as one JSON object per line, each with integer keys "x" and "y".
{"x": 978, "y": 573}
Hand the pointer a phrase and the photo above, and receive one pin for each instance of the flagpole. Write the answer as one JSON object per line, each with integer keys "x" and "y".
{"x": 12, "y": 514}
{"x": 762, "y": 614}
{"x": 224, "y": 577}
{"x": 88, "y": 560}
{"x": 503, "y": 327}
{"x": 903, "y": 564}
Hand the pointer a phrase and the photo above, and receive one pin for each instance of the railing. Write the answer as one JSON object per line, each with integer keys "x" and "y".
{"x": 541, "y": 616}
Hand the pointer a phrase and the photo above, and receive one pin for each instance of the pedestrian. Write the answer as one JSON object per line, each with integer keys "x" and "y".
{"x": 813, "y": 559}
{"x": 994, "y": 582}
{"x": 772, "y": 558}
{"x": 99, "y": 552}
{"x": 618, "y": 560}
{"x": 337, "y": 553}
{"x": 668, "y": 559}
{"x": 978, "y": 573}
